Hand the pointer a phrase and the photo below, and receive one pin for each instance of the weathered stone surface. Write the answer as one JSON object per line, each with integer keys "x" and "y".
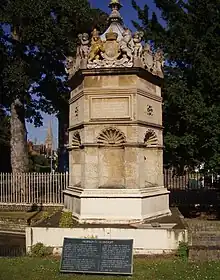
{"x": 115, "y": 133}
{"x": 117, "y": 145}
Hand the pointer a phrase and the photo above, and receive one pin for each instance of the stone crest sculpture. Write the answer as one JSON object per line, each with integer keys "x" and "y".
{"x": 159, "y": 63}
{"x": 111, "y": 46}
{"x": 117, "y": 47}
{"x": 84, "y": 47}
{"x": 138, "y": 47}
{"x": 148, "y": 58}
{"x": 96, "y": 46}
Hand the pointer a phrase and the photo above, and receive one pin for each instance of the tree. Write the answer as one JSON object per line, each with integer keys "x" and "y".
{"x": 41, "y": 34}
{"x": 191, "y": 41}
{"x": 4, "y": 141}
{"x": 39, "y": 164}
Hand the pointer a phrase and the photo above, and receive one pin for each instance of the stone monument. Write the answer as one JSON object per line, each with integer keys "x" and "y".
{"x": 116, "y": 132}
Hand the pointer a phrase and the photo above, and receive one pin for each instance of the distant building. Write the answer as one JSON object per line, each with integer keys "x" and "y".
{"x": 49, "y": 141}
{"x": 46, "y": 148}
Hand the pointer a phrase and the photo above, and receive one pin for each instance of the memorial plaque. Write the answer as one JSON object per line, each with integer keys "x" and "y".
{"x": 103, "y": 256}
{"x": 113, "y": 107}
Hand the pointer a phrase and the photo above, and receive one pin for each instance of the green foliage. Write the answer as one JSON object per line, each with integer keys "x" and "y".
{"x": 190, "y": 39}
{"x": 91, "y": 237}
{"x": 66, "y": 220}
{"x": 46, "y": 215}
{"x": 183, "y": 251}
{"x": 40, "y": 34}
{"x": 40, "y": 250}
{"x": 38, "y": 163}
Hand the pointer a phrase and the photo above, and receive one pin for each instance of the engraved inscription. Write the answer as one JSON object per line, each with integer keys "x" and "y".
{"x": 97, "y": 256}
{"x": 110, "y": 108}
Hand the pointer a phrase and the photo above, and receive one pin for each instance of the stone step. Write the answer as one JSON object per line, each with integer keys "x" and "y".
{"x": 16, "y": 221}
{"x": 196, "y": 226}
{"x": 7, "y": 224}
{"x": 206, "y": 239}
{"x": 204, "y": 253}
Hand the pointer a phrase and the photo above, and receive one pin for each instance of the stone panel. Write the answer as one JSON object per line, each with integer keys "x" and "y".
{"x": 76, "y": 111}
{"x": 110, "y": 81}
{"x": 151, "y": 169}
{"x": 111, "y": 167}
{"x": 75, "y": 166}
{"x": 90, "y": 168}
{"x": 110, "y": 107}
{"x": 131, "y": 167}
{"x": 149, "y": 110}
{"x": 127, "y": 81}
{"x": 147, "y": 87}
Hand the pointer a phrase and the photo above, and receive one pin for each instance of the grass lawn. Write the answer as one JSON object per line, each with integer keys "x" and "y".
{"x": 48, "y": 269}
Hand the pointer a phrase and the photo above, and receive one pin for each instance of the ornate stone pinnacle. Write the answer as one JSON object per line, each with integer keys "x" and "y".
{"x": 116, "y": 4}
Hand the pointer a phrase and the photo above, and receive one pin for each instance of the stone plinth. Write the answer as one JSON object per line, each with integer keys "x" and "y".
{"x": 121, "y": 206}
{"x": 116, "y": 147}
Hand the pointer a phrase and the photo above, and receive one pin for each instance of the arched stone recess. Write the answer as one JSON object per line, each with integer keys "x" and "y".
{"x": 76, "y": 140}
{"x": 111, "y": 158}
{"x": 150, "y": 138}
{"x": 111, "y": 136}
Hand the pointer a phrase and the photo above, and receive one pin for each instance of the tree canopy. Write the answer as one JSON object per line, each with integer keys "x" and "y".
{"x": 191, "y": 43}
{"x": 35, "y": 38}
{"x": 39, "y": 36}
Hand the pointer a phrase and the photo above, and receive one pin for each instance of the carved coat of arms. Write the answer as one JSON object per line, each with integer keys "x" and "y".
{"x": 111, "y": 46}
{"x": 112, "y": 51}
{"x": 148, "y": 58}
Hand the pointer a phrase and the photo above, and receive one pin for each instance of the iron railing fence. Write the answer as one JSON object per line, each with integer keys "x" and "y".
{"x": 33, "y": 188}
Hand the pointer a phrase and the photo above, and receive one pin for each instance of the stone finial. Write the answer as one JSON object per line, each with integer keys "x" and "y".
{"x": 115, "y": 3}
{"x": 115, "y": 6}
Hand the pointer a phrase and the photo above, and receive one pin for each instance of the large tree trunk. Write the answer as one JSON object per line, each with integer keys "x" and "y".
{"x": 63, "y": 158}
{"x": 5, "y": 165}
{"x": 19, "y": 151}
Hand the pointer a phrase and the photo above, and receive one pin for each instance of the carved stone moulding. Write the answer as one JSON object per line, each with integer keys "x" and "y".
{"x": 75, "y": 141}
{"x": 111, "y": 136}
{"x": 150, "y": 139}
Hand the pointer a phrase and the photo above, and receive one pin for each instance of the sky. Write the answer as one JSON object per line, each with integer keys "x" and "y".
{"x": 128, "y": 14}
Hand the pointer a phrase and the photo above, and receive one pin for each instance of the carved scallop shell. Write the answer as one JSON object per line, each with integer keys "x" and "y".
{"x": 76, "y": 140}
{"x": 111, "y": 136}
{"x": 150, "y": 138}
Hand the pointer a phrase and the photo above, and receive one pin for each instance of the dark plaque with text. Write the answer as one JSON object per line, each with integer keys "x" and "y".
{"x": 105, "y": 256}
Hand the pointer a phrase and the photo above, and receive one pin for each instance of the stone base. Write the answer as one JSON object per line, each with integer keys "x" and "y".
{"x": 116, "y": 206}
{"x": 158, "y": 237}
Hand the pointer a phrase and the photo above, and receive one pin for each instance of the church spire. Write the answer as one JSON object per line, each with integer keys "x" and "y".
{"x": 49, "y": 137}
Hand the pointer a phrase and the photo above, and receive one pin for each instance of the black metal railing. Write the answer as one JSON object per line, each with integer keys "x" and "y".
{"x": 190, "y": 188}
{"x": 8, "y": 251}
{"x": 12, "y": 245}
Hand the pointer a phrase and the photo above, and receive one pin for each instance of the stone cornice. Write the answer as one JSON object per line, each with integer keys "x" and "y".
{"x": 140, "y": 72}
{"x": 112, "y": 91}
{"x": 76, "y": 97}
{"x": 112, "y": 122}
{"x": 116, "y": 146}
{"x": 149, "y": 95}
